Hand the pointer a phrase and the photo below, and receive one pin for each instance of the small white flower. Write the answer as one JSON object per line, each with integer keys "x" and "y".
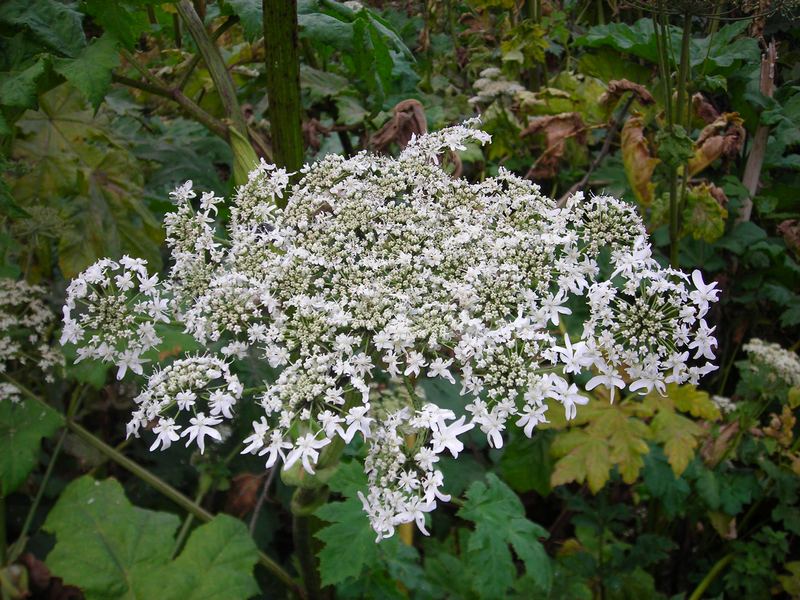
{"x": 200, "y": 427}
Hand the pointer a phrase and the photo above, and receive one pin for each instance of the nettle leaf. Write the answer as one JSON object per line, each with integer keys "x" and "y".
{"x": 22, "y": 427}
{"x": 90, "y": 71}
{"x": 114, "y": 550}
{"x": 54, "y": 23}
{"x": 675, "y": 147}
{"x": 500, "y": 522}
{"x": 350, "y": 545}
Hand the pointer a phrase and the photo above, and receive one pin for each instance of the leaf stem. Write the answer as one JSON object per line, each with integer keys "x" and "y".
{"x": 718, "y": 567}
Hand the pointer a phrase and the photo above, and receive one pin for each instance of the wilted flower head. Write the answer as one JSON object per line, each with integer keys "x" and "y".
{"x": 385, "y": 269}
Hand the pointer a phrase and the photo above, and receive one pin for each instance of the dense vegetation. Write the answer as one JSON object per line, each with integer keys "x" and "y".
{"x": 689, "y": 111}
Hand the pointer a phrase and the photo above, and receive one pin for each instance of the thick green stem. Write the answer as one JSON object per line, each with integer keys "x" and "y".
{"x": 214, "y": 62}
{"x": 718, "y": 567}
{"x": 283, "y": 83}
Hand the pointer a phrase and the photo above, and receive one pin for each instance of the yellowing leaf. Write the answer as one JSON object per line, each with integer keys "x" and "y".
{"x": 688, "y": 399}
{"x": 679, "y": 436}
{"x": 637, "y": 159}
{"x": 588, "y": 460}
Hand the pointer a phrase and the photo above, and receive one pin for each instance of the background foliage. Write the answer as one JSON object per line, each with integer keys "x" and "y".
{"x": 690, "y": 110}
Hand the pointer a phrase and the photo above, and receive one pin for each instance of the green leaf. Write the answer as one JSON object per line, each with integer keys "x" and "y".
{"x": 321, "y": 84}
{"x": 637, "y": 39}
{"x": 104, "y": 544}
{"x": 19, "y": 88}
{"x": 742, "y": 237}
{"x": 22, "y": 427}
{"x": 526, "y": 463}
{"x": 350, "y": 544}
{"x": 124, "y": 20}
{"x": 703, "y": 216}
{"x": 114, "y": 550}
{"x": 250, "y": 14}
{"x": 674, "y": 147}
{"x": 500, "y": 521}
{"x": 54, "y": 23}
{"x": 90, "y": 72}
{"x": 217, "y": 562}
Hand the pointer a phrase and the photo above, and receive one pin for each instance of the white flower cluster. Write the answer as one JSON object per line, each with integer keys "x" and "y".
{"x": 785, "y": 364}
{"x": 387, "y": 268}
{"x": 493, "y": 85}
{"x": 111, "y": 311}
{"x": 25, "y": 325}
{"x": 724, "y": 404}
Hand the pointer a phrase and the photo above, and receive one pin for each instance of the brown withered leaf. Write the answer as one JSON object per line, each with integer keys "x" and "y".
{"x": 557, "y": 129}
{"x": 790, "y": 231}
{"x": 714, "y": 449}
{"x": 721, "y": 139}
{"x": 42, "y": 584}
{"x": 704, "y": 109}
{"x": 243, "y": 495}
{"x": 638, "y": 160}
{"x": 311, "y": 132}
{"x": 617, "y": 87}
{"x": 408, "y": 120}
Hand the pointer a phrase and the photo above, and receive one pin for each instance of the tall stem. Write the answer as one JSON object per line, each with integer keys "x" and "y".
{"x": 283, "y": 83}
{"x": 718, "y": 567}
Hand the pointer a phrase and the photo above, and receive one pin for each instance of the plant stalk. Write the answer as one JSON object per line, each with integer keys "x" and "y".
{"x": 718, "y": 567}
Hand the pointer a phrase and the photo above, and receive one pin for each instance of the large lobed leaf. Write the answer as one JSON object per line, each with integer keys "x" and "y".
{"x": 22, "y": 427}
{"x": 114, "y": 550}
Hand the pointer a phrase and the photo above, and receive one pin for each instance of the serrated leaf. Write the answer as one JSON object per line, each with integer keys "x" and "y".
{"x": 22, "y": 427}
{"x": 114, "y": 550}
{"x": 54, "y": 23}
{"x": 679, "y": 436}
{"x": 500, "y": 521}
{"x": 350, "y": 544}
{"x": 73, "y": 158}
{"x": 104, "y": 544}
{"x": 19, "y": 88}
{"x": 610, "y": 438}
{"x": 90, "y": 71}
{"x": 688, "y": 399}
{"x": 217, "y": 563}
{"x": 124, "y": 20}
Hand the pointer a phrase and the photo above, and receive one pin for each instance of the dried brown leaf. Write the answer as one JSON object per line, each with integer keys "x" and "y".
{"x": 618, "y": 87}
{"x": 704, "y": 109}
{"x": 721, "y": 139}
{"x": 408, "y": 120}
{"x": 557, "y": 129}
{"x": 790, "y": 231}
{"x": 243, "y": 495}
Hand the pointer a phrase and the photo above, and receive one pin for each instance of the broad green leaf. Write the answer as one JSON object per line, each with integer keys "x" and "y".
{"x": 55, "y": 24}
{"x": 104, "y": 544}
{"x": 674, "y": 147}
{"x": 637, "y": 39}
{"x": 526, "y": 463}
{"x": 19, "y": 88}
{"x": 90, "y": 71}
{"x": 500, "y": 521}
{"x": 125, "y": 20}
{"x": 114, "y": 550}
{"x": 22, "y": 427}
{"x": 660, "y": 481}
{"x": 321, "y": 84}
{"x": 741, "y": 237}
{"x": 217, "y": 563}
{"x": 250, "y": 14}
